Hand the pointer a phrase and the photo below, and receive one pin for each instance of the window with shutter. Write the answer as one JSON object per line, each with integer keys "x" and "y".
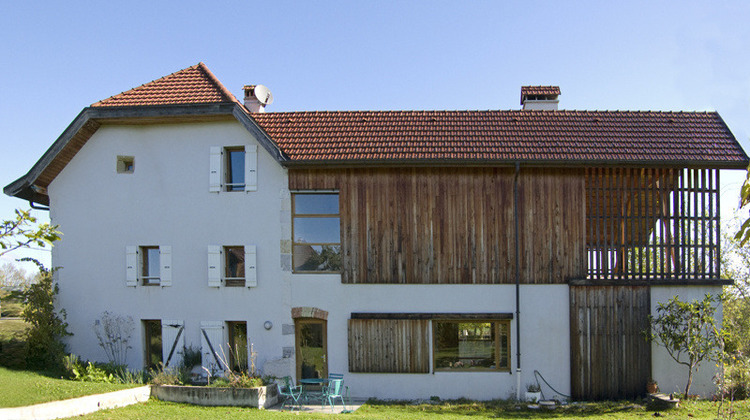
{"x": 233, "y": 168}
{"x": 150, "y": 266}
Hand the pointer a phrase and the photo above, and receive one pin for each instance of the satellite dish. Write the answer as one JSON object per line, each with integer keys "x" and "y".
{"x": 263, "y": 95}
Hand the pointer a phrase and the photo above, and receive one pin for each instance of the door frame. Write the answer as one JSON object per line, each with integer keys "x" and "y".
{"x": 298, "y": 323}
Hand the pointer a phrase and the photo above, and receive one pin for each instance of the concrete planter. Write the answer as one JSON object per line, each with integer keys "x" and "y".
{"x": 261, "y": 397}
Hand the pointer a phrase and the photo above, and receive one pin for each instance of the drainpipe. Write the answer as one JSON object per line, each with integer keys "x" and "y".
{"x": 518, "y": 286}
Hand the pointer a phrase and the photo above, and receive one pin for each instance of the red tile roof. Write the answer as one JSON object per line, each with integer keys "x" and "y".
{"x": 583, "y": 136}
{"x": 193, "y": 85}
{"x": 540, "y": 90}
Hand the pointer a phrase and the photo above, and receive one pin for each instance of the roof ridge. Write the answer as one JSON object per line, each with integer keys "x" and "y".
{"x": 217, "y": 82}
{"x": 192, "y": 85}
{"x": 98, "y": 103}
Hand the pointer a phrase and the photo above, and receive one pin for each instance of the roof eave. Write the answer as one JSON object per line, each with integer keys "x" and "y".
{"x": 571, "y": 163}
{"x": 24, "y": 186}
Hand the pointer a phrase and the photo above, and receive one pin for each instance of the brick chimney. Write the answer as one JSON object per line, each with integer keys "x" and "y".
{"x": 540, "y": 97}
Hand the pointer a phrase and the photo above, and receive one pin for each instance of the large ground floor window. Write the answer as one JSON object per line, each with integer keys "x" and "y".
{"x": 400, "y": 342}
{"x": 471, "y": 345}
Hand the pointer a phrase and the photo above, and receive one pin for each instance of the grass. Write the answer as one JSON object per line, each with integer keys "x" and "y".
{"x": 19, "y": 388}
{"x": 448, "y": 410}
{"x": 12, "y": 343}
{"x": 11, "y": 304}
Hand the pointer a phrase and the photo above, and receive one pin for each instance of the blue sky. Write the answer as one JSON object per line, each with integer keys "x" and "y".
{"x": 336, "y": 55}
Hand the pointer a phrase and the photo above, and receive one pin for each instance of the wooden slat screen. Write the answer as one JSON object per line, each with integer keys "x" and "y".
{"x": 610, "y": 357}
{"x": 455, "y": 225}
{"x": 389, "y": 346}
{"x": 652, "y": 224}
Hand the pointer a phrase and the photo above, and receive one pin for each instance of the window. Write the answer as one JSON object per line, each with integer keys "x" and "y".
{"x": 233, "y": 168}
{"x": 234, "y": 266}
{"x": 471, "y": 345}
{"x": 150, "y": 265}
{"x": 316, "y": 232}
{"x": 234, "y": 173}
{"x": 237, "y": 345}
{"x": 125, "y": 164}
{"x": 152, "y": 343}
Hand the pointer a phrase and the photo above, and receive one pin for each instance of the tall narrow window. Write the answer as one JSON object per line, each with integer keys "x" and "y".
{"x": 316, "y": 232}
{"x": 150, "y": 265}
{"x": 234, "y": 266}
{"x": 235, "y": 169}
{"x": 471, "y": 345}
{"x": 152, "y": 343}
{"x": 237, "y": 345}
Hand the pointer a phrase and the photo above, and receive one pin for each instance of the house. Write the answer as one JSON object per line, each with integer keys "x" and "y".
{"x": 420, "y": 253}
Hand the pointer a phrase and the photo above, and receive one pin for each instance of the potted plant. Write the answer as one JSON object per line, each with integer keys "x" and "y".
{"x": 652, "y": 387}
{"x": 533, "y": 393}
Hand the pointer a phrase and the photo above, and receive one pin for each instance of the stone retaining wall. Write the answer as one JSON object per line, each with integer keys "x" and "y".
{"x": 262, "y": 397}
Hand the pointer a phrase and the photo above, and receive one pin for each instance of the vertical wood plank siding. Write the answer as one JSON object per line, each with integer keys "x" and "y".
{"x": 455, "y": 225}
{"x": 610, "y": 358}
{"x": 389, "y": 346}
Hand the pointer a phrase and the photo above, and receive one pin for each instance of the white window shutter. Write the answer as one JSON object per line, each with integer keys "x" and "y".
{"x": 213, "y": 354}
{"x": 131, "y": 266}
{"x": 251, "y": 168}
{"x": 173, "y": 342}
{"x": 251, "y": 276}
{"x": 214, "y": 174}
{"x": 165, "y": 258}
{"x": 214, "y": 266}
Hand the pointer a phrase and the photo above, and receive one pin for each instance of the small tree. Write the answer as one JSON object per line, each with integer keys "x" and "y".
{"x": 688, "y": 331}
{"x": 44, "y": 347}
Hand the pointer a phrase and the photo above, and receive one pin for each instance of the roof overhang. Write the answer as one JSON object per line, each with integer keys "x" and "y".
{"x": 524, "y": 161}
{"x": 33, "y": 185}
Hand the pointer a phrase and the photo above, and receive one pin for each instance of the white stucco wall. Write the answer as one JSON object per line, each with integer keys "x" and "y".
{"x": 671, "y": 376}
{"x": 166, "y": 201}
{"x": 545, "y": 333}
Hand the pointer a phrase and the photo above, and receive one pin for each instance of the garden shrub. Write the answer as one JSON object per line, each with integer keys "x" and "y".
{"x": 44, "y": 348}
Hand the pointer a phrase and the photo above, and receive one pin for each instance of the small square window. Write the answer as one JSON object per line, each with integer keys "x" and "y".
{"x": 125, "y": 164}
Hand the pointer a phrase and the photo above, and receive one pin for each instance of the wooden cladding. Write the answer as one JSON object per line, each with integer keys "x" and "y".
{"x": 455, "y": 225}
{"x": 610, "y": 358}
{"x": 652, "y": 224}
{"x": 389, "y": 346}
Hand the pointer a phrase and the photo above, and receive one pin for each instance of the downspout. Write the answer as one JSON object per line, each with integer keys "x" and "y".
{"x": 518, "y": 286}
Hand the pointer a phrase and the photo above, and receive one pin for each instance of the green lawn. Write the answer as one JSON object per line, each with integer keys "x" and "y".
{"x": 19, "y": 388}
{"x": 11, "y": 304}
{"x": 12, "y": 343}
{"x": 443, "y": 411}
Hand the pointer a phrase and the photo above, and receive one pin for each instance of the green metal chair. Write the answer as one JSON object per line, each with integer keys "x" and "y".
{"x": 333, "y": 391}
{"x": 290, "y": 391}
{"x": 346, "y": 388}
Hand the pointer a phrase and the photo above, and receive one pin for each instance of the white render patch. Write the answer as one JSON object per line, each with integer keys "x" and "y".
{"x": 78, "y": 406}
{"x": 671, "y": 376}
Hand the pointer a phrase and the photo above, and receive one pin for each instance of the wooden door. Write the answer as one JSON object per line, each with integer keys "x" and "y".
{"x": 610, "y": 357}
{"x": 312, "y": 348}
